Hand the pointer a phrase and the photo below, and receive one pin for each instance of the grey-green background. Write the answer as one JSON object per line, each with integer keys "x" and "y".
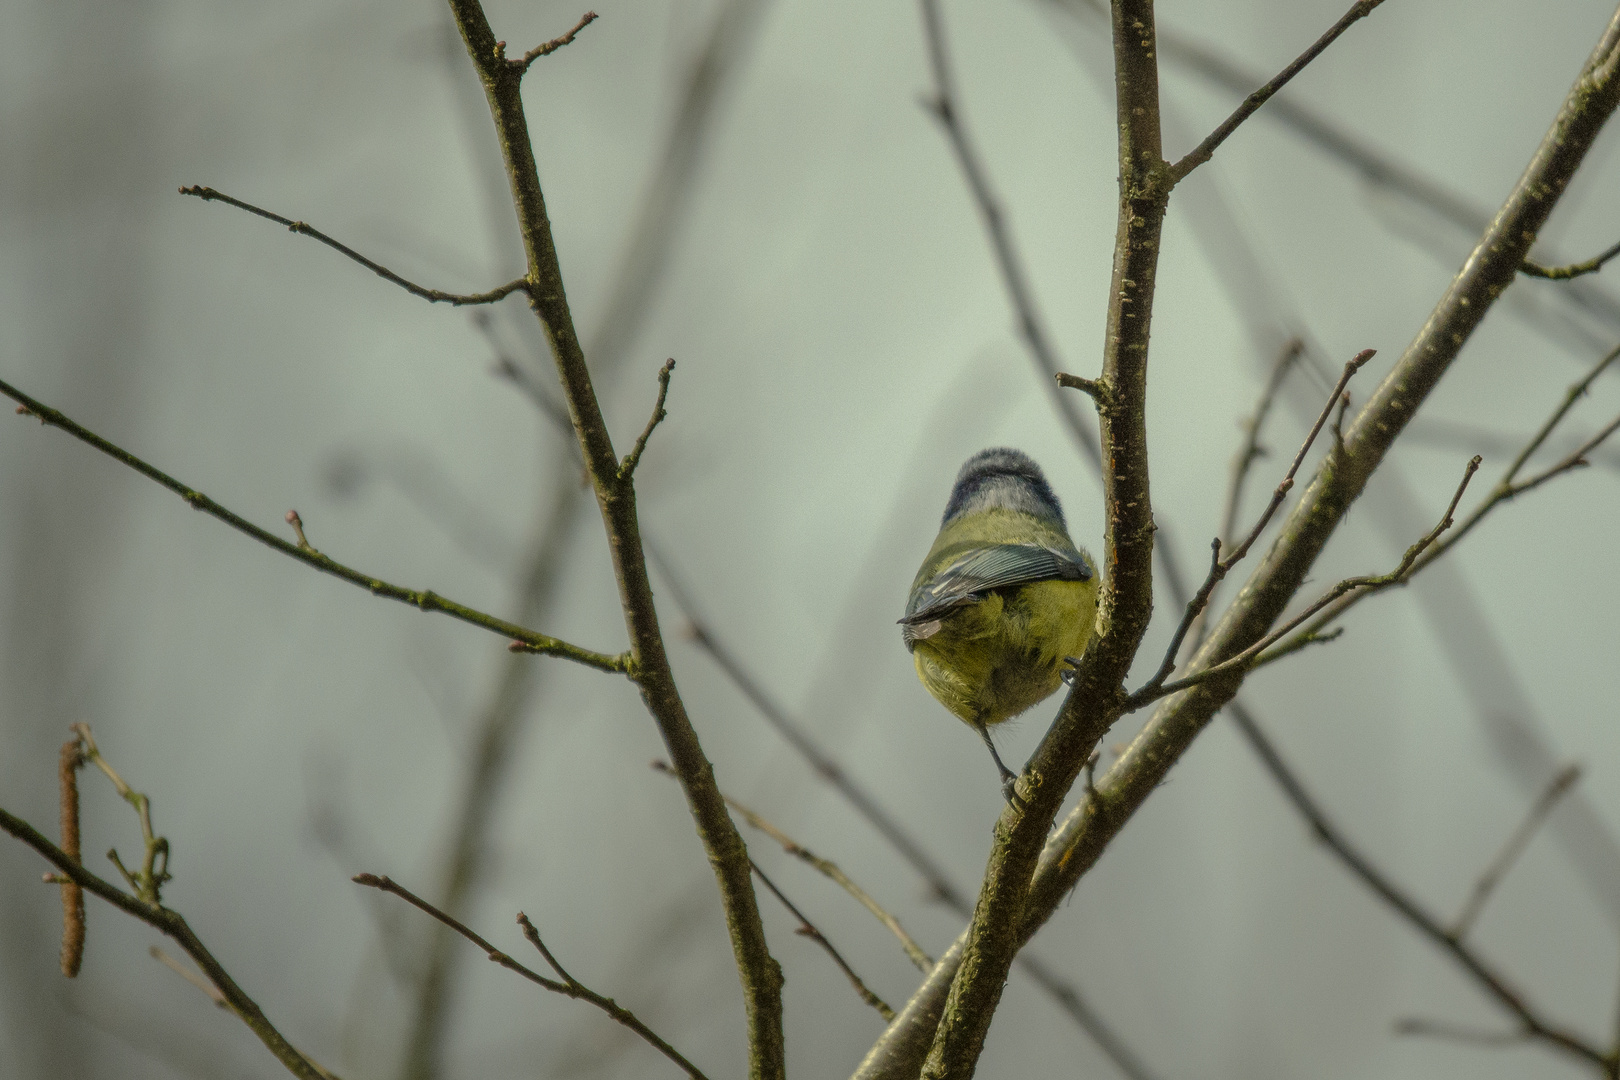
{"x": 843, "y": 342}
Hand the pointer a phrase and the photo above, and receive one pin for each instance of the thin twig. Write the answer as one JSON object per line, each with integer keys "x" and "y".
{"x": 1512, "y": 848}
{"x": 555, "y": 43}
{"x": 570, "y": 987}
{"x": 73, "y": 928}
{"x": 627, "y": 468}
{"x": 208, "y": 194}
{"x": 192, "y": 977}
{"x": 1507, "y": 488}
{"x": 808, "y": 929}
{"x": 174, "y": 925}
{"x": 1441, "y": 1029}
{"x": 147, "y": 882}
{"x": 1219, "y": 567}
{"x": 944, "y": 106}
{"x": 1250, "y": 452}
{"x": 757, "y": 969}
{"x": 1573, "y": 270}
{"x": 1365, "y": 585}
{"x": 424, "y": 600}
{"x": 1206, "y": 149}
{"x": 1493, "y": 983}
{"x": 831, "y": 870}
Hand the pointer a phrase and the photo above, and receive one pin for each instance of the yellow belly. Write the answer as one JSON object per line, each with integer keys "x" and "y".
{"x": 991, "y": 660}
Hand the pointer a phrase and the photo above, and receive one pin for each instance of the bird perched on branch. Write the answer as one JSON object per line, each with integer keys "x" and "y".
{"x": 1004, "y": 599}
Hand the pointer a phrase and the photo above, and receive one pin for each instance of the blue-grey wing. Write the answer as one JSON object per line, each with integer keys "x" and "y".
{"x": 997, "y": 566}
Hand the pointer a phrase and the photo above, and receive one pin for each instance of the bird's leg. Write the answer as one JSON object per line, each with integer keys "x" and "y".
{"x": 1009, "y": 779}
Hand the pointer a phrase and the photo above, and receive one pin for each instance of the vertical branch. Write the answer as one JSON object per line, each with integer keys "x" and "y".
{"x": 1126, "y": 601}
{"x": 615, "y": 495}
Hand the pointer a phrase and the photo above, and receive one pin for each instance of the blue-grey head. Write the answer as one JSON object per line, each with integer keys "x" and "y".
{"x": 1002, "y": 478}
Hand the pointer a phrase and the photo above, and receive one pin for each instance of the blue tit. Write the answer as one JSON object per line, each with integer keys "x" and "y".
{"x": 1003, "y": 599}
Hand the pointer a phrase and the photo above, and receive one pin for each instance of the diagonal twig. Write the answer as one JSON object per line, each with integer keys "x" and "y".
{"x": 555, "y": 43}
{"x": 808, "y": 929}
{"x": 831, "y": 870}
{"x": 569, "y": 987}
{"x": 174, "y": 925}
{"x": 303, "y": 552}
{"x": 1490, "y": 980}
{"x": 1219, "y": 567}
{"x": 1206, "y": 149}
{"x": 1506, "y": 489}
{"x": 945, "y": 107}
{"x": 437, "y": 296}
{"x": 1363, "y": 585}
{"x": 1573, "y": 270}
{"x": 1512, "y": 848}
{"x": 627, "y": 467}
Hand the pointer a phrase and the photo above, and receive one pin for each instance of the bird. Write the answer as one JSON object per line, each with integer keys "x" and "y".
{"x": 1004, "y": 599}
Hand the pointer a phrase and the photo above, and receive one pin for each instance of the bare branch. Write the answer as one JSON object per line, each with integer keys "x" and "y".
{"x": 1514, "y": 846}
{"x": 569, "y": 987}
{"x": 1206, "y": 149}
{"x": 808, "y": 929}
{"x": 1573, "y": 270}
{"x": 208, "y": 194}
{"x": 174, "y": 925}
{"x": 945, "y": 107}
{"x": 424, "y": 600}
{"x": 758, "y": 971}
{"x": 1440, "y": 1029}
{"x": 190, "y": 976}
{"x": 627, "y": 468}
{"x": 1489, "y": 979}
{"x": 1505, "y": 490}
{"x": 1363, "y": 585}
{"x": 555, "y": 43}
{"x": 831, "y": 870}
{"x": 1063, "y": 992}
{"x": 1219, "y": 567}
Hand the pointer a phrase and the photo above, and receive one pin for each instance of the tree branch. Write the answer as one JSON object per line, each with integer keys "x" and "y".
{"x": 1125, "y": 602}
{"x": 555, "y": 43}
{"x": 1573, "y": 270}
{"x": 627, "y": 468}
{"x": 208, "y": 194}
{"x": 758, "y": 971}
{"x": 1506, "y": 489}
{"x": 304, "y": 553}
{"x": 808, "y": 929}
{"x": 831, "y": 870}
{"x": 1219, "y": 567}
{"x": 174, "y": 925}
{"x": 1492, "y": 982}
{"x": 1364, "y": 585}
{"x": 569, "y": 987}
{"x": 1075, "y": 846}
{"x": 1512, "y": 848}
{"x": 1206, "y": 149}
{"x": 945, "y": 107}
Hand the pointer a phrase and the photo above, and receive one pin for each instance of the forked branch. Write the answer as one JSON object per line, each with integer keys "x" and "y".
{"x": 1251, "y": 104}
{"x": 1363, "y": 585}
{"x": 305, "y": 553}
{"x": 1219, "y": 567}
{"x": 437, "y": 296}
{"x": 568, "y": 987}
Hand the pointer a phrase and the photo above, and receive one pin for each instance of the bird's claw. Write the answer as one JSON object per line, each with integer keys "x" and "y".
{"x": 1009, "y": 791}
{"x": 1071, "y": 672}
